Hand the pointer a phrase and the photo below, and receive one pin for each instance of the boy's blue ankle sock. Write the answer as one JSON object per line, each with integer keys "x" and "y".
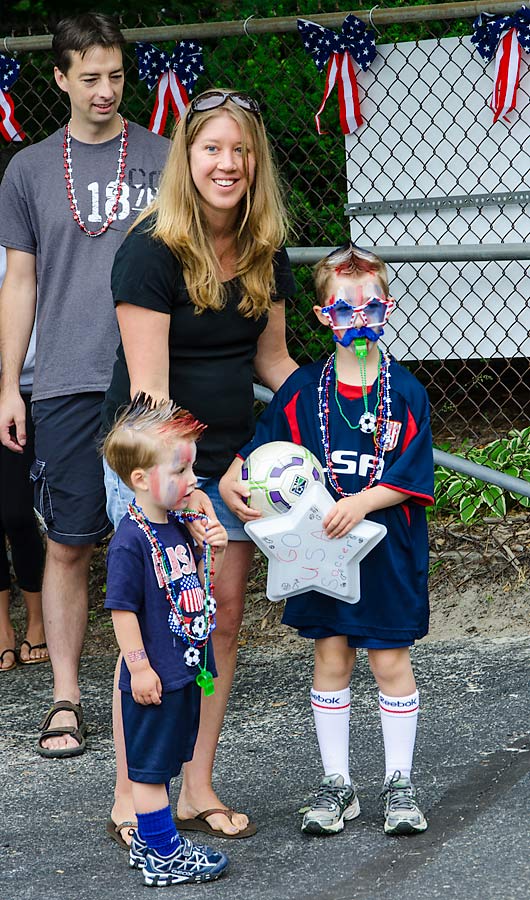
{"x": 158, "y": 831}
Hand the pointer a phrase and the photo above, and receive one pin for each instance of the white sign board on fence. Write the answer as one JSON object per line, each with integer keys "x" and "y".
{"x": 429, "y": 132}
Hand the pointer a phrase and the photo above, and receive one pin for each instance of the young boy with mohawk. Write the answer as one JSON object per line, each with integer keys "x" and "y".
{"x": 163, "y": 619}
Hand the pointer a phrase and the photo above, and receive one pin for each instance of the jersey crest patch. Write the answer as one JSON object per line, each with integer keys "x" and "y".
{"x": 392, "y": 435}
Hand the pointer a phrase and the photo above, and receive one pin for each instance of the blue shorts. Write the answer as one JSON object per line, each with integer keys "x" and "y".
{"x": 119, "y": 496}
{"x": 158, "y": 739}
{"x": 67, "y": 472}
{"x": 318, "y": 632}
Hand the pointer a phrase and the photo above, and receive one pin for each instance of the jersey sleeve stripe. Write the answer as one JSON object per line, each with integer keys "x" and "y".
{"x": 410, "y": 432}
{"x": 290, "y": 414}
{"x": 422, "y": 499}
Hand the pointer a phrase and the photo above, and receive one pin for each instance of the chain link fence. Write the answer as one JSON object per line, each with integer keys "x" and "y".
{"x": 479, "y": 393}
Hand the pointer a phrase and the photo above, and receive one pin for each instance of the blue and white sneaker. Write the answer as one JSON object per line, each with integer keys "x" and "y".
{"x": 189, "y": 863}
{"x": 137, "y": 851}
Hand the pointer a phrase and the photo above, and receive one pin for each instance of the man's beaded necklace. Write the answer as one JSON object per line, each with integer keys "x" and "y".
{"x": 383, "y": 413}
{"x": 118, "y": 185}
{"x": 205, "y": 624}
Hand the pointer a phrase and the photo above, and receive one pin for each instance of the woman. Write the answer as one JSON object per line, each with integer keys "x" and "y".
{"x": 199, "y": 286}
{"x": 18, "y": 522}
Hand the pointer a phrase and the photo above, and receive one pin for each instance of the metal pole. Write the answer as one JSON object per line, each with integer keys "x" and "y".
{"x": 280, "y": 24}
{"x": 448, "y": 460}
{"x": 309, "y": 256}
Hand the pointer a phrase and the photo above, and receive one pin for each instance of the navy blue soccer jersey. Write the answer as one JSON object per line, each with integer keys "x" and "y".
{"x": 394, "y": 606}
{"x": 135, "y": 582}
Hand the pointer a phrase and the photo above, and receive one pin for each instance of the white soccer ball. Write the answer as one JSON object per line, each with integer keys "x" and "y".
{"x": 278, "y": 474}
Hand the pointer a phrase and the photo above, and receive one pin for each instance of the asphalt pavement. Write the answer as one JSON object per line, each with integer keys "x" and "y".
{"x": 472, "y": 768}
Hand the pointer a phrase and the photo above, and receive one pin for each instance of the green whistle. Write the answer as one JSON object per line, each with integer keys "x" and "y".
{"x": 205, "y": 681}
{"x": 361, "y": 350}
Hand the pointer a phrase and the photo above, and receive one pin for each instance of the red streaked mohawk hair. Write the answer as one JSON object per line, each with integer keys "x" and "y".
{"x": 142, "y": 429}
{"x": 143, "y": 413}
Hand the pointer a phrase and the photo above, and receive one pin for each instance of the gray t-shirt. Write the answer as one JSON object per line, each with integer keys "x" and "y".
{"x": 77, "y": 332}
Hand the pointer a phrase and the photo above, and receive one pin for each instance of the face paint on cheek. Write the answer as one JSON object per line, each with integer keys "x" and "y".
{"x": 154, "y": 483}
{"x": 166, "y": 490}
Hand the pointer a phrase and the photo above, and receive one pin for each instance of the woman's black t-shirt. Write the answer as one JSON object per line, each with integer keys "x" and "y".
{"x": 210, "y": 355}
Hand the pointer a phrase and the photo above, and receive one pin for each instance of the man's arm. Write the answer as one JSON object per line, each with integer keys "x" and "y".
{"x": 18, "y": 302}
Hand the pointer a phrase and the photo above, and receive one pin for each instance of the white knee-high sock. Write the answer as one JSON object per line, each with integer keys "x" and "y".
{"x": 399, "y": 717}
{"x": 331, "y": 710}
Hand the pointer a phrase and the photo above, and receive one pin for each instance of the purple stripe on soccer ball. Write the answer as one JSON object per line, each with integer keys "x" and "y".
{"x": 295, "y": 461}
{"x": 244, "y": 472}
{"x": 278, "y": 501}
{"x": 316, "y": 474}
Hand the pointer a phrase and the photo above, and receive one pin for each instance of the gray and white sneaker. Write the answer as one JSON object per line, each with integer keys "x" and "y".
{"x": 402, "y": 813}
{"x": 334, "y": 802}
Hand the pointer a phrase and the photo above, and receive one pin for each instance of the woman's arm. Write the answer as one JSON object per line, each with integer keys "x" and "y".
{"x": 273, "y": 363}
{"x": 145, "y": 338}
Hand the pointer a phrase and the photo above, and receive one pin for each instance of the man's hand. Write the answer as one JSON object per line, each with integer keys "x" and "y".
{"x": 146, "y": 687}
{"x": 12, "y": 420}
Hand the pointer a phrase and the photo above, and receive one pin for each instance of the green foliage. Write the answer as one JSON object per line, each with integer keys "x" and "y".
{"x": 471, "y": 499}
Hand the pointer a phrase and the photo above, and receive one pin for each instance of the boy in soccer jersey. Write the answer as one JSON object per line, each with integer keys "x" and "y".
{"x": 163, "y": 620}
{"x": 367, "y": 419}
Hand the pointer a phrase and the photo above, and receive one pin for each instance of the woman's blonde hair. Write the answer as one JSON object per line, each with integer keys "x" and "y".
{"x": 181, "y": 224}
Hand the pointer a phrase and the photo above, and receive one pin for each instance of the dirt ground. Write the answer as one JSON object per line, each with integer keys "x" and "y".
{"x": 479, "y": 587}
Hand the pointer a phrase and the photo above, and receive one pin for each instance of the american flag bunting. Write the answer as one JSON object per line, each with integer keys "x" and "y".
{"x": 503, "y": 37}
{"x": 172, "y": 74}
{"x": 338, "y": 50}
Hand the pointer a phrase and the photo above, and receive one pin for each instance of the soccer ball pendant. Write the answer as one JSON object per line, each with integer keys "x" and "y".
{"x": 367, "y": 423}
{"x": 199, "y": 626}
{"x": 192, "y": 656}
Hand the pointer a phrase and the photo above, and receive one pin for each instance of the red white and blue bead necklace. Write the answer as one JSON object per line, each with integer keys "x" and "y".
{"x": 383, "y": 413}
{"x": 118, "y": 184}
{"x": 194, "y": 641}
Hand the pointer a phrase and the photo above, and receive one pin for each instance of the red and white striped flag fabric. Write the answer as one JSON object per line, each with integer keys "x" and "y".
{"x": 503, "y": 37}
{"x": 506, "y": 79}
{"x": 9, "y": 127}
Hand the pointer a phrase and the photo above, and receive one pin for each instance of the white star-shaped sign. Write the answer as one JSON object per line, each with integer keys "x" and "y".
{"x": 302, "y": 557}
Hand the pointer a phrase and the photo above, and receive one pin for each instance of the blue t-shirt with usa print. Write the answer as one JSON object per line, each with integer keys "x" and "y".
{"x": 394, "y": 606}
{"x": 135, "y": 582}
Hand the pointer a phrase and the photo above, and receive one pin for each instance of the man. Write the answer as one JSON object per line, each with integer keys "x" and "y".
{"x": 66, "y": 204}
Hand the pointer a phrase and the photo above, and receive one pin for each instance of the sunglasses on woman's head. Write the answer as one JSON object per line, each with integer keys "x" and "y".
{"x": 214, "y": 99}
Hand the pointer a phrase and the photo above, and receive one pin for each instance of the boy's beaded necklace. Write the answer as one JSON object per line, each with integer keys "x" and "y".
{"x": 383, "y": 414}
{"x": 195, "y": 643}
{"x": 120, "y": 175}
{"x": 367, "y": 422}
